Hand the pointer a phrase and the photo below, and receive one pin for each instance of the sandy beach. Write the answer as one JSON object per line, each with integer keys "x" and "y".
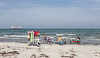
{"x": 21, "y": 50}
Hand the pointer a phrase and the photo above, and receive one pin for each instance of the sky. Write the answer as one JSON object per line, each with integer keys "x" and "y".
{"x": 50, "y": 13}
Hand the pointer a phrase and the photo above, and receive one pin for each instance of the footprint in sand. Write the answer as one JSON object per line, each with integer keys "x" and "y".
{"x": 67, "y": 56}
{"x": 73, "y": 54}
{"x": 43, "y": 55}
{"x": 33, "y": 56}
{"x": 9, "y": 53}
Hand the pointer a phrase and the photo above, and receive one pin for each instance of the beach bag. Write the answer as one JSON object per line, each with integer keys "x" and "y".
{"x": 28, "y": 37}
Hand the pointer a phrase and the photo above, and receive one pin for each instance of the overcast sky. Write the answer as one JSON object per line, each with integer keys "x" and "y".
{"x": 50, "y": 13}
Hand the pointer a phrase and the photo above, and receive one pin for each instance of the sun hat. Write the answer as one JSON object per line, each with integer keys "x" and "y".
{"x": 73, "y": 38}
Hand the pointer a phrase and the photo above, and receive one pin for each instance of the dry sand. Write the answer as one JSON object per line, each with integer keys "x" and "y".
{"x": 21, "y": 50}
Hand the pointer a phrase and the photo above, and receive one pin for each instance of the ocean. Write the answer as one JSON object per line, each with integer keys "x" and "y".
{"x": 87, "y": 36}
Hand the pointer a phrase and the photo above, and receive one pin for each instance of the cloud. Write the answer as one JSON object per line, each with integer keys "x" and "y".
{"x": 50, "y": 14}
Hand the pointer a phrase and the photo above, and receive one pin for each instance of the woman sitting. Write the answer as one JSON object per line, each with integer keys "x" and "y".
{"x": 78, "y": 40}
{"x": 49, "y": 40}
{"x": 72, "y": 41}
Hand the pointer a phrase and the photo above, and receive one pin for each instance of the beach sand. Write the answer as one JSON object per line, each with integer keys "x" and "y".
{"x": 22, "y": 50}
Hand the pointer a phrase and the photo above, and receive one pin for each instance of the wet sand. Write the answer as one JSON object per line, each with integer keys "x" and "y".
{"x": 21, "y": 50}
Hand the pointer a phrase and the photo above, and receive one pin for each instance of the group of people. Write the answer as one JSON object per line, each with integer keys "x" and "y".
{"x": 75, "y": 41}
{"x": 48, "y": 40}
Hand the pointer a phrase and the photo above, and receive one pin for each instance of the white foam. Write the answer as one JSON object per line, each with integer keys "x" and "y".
{"x": 6, "y": 35}
{"x": 60, "y": 34}
{"x": 64, "y": 37}
{"x": 2, "y": 37}
{"x": 15, "y": 38}
{"x": 72, "y": 34}
{"x": 93, "y": 39}
{"x": 15, "y": 35}
{"x": 65, "y": 34}
{"x": 51, "y": 37}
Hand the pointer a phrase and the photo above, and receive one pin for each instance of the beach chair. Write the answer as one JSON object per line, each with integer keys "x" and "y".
{"x": 73, "y": 42}
{"x": 61, "y": 42}
{"x": 78, "y": 42}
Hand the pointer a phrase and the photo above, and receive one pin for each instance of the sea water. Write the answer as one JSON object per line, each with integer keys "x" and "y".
{"x": 87, "y": 36}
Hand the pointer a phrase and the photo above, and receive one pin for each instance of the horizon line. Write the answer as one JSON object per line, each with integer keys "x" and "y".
{"x": 54, "y": 28}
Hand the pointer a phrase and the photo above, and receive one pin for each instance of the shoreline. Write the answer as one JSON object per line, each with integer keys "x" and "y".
{"x": 25, "y": 41}
{"x": 55, "y": 44}
{"x": 22, "y": 50}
